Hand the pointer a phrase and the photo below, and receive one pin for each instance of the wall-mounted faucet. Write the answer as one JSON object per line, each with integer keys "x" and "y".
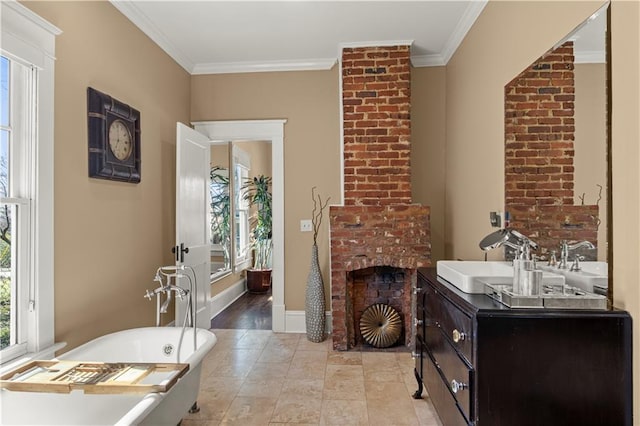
{"x": 510, "y": 238}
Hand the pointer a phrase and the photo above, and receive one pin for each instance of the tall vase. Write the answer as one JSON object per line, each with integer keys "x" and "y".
{"x": 314, "y": 301}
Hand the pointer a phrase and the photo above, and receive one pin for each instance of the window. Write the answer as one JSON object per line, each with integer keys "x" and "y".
{"x": 15, "y": 209}
{"x": 26, "y": 181}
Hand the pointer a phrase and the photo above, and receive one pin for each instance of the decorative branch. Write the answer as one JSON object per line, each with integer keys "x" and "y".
{"x": 599, "y": 194}
{"x": 316, "y": 213}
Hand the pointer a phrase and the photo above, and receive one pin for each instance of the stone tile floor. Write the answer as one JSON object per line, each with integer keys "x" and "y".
{"x": 257, "y": 377}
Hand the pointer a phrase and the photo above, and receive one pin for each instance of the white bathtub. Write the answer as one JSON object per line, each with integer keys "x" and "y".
{"x": 135, "y": 345}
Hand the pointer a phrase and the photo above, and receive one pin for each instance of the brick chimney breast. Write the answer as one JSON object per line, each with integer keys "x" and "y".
{"x": 378, "y": 227}
{"x": 376, "y": 99}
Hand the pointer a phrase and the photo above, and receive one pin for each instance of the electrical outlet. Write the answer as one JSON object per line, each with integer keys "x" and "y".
{"x": 496, "y": 219}
{"x": 305, "y": 225}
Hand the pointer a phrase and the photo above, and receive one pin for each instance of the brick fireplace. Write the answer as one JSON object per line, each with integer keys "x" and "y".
{"x": 378, "y": 237}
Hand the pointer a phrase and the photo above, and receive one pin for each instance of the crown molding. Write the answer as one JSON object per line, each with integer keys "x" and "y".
{"x": 464, "y": 25}
{"x": 433, "y": 60}
{"x": 140, "y": 20}
{"x": 264, "y": 66}
{"x": 382, "y": 43}
{"x": 31, "y": 16}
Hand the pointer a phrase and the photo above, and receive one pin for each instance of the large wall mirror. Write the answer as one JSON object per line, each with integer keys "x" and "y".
{"x": 220, "y": 210}
{"x": 557, "y": 142}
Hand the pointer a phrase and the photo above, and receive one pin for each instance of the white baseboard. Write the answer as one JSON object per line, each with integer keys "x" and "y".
{"x": 295, "y": 322}
{"x": 221, "y": 301}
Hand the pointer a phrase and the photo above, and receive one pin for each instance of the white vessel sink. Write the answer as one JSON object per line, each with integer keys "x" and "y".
{"x": 471, "y": 276}
{"x": 591, "y": 274}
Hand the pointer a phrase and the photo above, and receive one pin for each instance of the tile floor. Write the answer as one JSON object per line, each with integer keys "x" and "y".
{"x": 257, "y": 377}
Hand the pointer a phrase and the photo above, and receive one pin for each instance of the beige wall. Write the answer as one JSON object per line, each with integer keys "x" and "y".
{"x": 428, "y": 139}
{"x": 260, "y": 154}
{"x": 309, "y": 103}
{"x": 591, "y": 143}
{"x": 625, "y": 51}
{"x": 110, "y": 236}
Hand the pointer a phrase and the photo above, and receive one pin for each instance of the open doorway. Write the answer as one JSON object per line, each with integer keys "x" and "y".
{"x": 241, "y": 231}
{"x": 272, "y": 133}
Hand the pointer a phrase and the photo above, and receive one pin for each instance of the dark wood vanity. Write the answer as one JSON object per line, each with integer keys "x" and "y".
{"x": 485, "y": 364}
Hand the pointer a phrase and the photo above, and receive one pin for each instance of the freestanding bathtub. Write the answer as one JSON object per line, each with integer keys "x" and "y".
{"x": 151, "y": 344}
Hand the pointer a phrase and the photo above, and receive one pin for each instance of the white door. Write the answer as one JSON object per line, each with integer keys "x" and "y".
{"x": 192, "y": 231}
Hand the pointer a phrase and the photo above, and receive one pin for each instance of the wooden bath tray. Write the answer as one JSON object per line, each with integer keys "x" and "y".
{"x": 93, "y": 377}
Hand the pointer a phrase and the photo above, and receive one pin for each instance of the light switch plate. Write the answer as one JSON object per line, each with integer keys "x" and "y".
{"x": 305, "y": 225}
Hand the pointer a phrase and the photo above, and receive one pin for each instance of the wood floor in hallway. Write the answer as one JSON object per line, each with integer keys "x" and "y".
{"x": 249, "y": 312}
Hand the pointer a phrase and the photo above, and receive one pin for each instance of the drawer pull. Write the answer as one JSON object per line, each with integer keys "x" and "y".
{"x": 417, "y": 322}
{"x": 457, "y": 386}
{"x": 458, "y": 336}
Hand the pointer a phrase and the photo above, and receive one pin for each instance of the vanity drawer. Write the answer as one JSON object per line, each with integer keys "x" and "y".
{"x": 458, "y": 375}
{"x": 455, "y": 324}
{"x": 448, "y": 411}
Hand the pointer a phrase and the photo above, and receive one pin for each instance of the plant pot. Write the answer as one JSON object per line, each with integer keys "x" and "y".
{"x": 258, "y": 280}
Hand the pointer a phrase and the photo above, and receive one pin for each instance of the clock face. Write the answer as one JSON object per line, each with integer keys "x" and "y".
{"x": 120, "y": 140}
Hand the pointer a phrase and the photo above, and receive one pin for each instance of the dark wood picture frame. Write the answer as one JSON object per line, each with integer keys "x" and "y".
{"x": 102, "y": 110}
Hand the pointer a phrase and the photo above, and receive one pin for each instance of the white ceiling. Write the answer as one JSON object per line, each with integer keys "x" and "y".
{"x": 207, "y": 37}
{"x": 235, "y": 36}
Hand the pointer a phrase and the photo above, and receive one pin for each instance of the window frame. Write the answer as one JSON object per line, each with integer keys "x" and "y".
{"x": 29, "y": 39}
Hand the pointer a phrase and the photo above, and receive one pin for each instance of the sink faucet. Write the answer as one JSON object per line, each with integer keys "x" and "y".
{"x": 565, "y": 248}
{"x": 575, "y": 266}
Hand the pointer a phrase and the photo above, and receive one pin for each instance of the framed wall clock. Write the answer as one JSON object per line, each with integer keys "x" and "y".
{"x": 114, "y": 138}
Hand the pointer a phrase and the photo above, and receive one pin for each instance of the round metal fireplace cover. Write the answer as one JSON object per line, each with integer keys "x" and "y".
{"x": 380, "y": 325}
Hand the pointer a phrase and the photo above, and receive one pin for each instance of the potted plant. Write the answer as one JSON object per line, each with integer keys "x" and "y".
{"x": 257, "y": 193}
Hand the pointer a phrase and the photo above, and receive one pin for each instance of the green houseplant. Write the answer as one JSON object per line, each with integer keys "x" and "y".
{"x": 257, "y": 192}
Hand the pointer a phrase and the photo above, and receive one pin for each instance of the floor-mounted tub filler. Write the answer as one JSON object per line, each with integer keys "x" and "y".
{"x": 140, "y": 345}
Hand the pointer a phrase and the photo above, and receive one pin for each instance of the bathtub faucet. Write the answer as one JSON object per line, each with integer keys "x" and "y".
{"x": 164, "y": 275}
{"x": 181, "y": 292}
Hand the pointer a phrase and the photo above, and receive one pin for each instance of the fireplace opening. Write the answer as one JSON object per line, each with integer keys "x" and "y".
{"x": 381, "y": 284}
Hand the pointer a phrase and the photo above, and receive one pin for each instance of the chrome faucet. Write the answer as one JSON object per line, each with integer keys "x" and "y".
{"x": 575, "y": 266}
{"x": 510, "y": 238}
{"x": 166, "y": 272}
{"x": 181, "y": 292}
{"x": 565, "y": 248}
